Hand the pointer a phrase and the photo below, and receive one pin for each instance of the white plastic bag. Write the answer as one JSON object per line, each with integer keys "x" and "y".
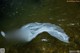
{"x": 31, "y": 30}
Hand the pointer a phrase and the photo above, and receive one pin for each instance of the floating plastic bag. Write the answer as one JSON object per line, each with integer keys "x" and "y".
{"x": 31, "y": 30}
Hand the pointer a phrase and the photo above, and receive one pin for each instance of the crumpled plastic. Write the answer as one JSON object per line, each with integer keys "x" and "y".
{"x": 30, "y": 31}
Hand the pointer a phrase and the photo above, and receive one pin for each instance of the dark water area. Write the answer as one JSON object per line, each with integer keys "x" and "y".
{"x": 16, "y": 13}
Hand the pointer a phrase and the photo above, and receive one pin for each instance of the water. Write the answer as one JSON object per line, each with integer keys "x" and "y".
{"x": 18, "y": 13}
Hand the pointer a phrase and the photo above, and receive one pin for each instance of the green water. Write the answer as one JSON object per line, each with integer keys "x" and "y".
{"x": 20, "y": 12}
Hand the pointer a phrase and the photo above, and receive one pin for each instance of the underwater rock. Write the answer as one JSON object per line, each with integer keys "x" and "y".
{"x": 31, "y": 30}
